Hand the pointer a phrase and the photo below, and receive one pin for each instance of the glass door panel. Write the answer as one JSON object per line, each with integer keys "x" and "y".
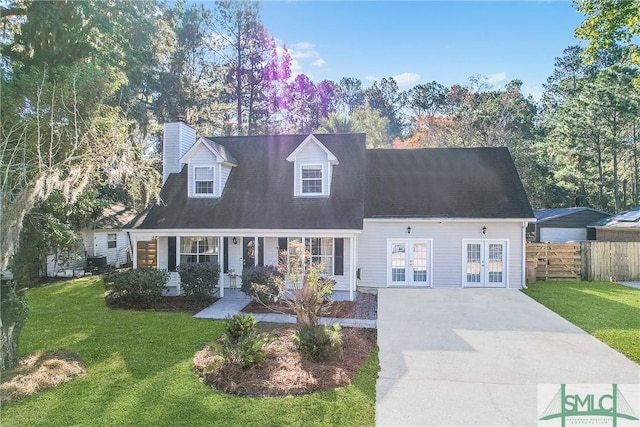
{"x": 474, "y": 262}
{"x": 419, "y": 262}
{"x": 398, "y": 262}
{"x": 485, "y": 263}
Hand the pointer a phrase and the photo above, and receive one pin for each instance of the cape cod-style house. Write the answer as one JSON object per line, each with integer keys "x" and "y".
{"x": 441, "y": 217}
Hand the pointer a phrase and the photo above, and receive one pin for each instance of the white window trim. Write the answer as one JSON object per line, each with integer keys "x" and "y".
{"x": 115, "y": 240}
{"x": 304, "y": 244}
{"x": 215, "y": 242}
{"x": 213, "y": 182}
{"x": 505, "y": 271}
{"x": 324, "y": 192}
{"x": 429, "y": 242}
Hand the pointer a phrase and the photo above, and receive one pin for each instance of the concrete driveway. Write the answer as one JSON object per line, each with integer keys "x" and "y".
{"x": 475, "y": 357}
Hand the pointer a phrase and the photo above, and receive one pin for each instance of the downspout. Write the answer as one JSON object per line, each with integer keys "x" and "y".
{"x": 524, "y": 255}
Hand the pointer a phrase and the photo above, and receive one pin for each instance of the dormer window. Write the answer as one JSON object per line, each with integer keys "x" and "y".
{"x": 313, "y": 168}
{"x": 311, "y": 179}
{"x": 203, "y": 180}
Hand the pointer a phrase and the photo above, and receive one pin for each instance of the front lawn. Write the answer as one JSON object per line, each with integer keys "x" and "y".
{"x": 608, "y": 311}
{"x": 139, "y": 371}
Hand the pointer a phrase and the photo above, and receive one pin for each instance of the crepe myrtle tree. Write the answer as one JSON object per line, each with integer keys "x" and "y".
{"x": 309, "y": 285}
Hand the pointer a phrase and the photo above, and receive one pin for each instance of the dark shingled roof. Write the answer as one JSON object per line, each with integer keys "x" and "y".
{"x": 444, "y": 182}
{"x": 547, "y": 214}
{"x": 430, "y": 182}
{"x": 259, "y": 192}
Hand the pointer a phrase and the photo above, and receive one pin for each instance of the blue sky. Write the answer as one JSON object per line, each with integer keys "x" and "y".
{"x": 421, "y": 41}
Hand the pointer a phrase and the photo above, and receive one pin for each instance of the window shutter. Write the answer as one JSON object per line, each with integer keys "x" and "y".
{"x": 338, "y": 261}
{"x": 172, "y": 253}
{"x": 282, "y": 243}
{"x": 225, "y": 259}
{"x": 261, "y": 251}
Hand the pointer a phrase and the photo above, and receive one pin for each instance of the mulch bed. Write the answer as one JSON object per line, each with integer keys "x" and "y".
{"x": 180, "y": 304}
{"x": 338, "y": 309}
{"x": 284, "y": 372}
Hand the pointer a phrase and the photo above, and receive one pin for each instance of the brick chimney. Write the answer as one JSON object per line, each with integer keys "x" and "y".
{"x": 177, "y": 138}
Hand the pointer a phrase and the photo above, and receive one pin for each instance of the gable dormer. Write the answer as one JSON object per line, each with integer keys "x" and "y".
{"x": 313, "y": 168}
{"x": 209, "y": 165}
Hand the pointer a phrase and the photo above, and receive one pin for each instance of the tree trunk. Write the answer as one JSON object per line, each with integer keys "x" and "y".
{"x": 12, "y": 318}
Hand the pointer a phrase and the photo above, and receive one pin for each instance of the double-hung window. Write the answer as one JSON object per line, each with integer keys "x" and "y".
{"x": 112, "y": 240}
{"x": 311, "y": 179}
{"x": 203, "y": 180}
{"x": 199, "y": 249}
{"x": 320, "y": 250}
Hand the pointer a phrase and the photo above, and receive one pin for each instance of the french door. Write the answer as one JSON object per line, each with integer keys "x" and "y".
{"x": 484, "y": 263}
{"x": 409, "y": 263}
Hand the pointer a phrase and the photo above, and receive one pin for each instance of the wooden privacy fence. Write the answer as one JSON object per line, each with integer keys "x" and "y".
{"x": 611, "y": 261}
{"x": 608, "y": 261}
{"x": 560, "y": 261}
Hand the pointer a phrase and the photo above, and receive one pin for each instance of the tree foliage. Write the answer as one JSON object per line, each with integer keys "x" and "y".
{"x": 609, "y": 22}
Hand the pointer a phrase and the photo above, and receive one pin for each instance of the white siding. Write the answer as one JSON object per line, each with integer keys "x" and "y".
{"x": 311, "y": 154}
{"x": 203, "y": 157}
{"x": 87, "y": 241}
{"x": 117, "y": 256}
{"x": 446, "y": 248}
{"x": 342, "y": 282}
{"x": 271, "y": 251}
{"x": 177, "y": 138}
{"x": 225, "y": 171}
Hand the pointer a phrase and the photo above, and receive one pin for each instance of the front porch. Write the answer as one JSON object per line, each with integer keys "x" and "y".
{"x": 234, "y": 252}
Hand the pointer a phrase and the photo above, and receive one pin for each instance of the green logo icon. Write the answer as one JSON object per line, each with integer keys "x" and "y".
{"x": 566, "y": 405}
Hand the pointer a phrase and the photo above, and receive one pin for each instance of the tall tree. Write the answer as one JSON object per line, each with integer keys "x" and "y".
{"x": 246, "y": 46}
{"x": 609, "y": 23}
{"x": 386, "y": 97}
{"x": 350, "y": 95}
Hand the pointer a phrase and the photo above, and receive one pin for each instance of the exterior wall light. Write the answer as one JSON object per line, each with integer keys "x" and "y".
{"x": 484, "y": 230}
{"x": 235, "y": 240}
{"x": 409, "y": 230}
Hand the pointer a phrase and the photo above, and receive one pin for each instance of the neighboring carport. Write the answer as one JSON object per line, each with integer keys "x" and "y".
{"x": 475, "y": 357}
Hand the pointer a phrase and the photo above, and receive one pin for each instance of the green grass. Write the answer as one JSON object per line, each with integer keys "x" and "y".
{"x": 139, "y": 371}
{"x": 608, "y": 311}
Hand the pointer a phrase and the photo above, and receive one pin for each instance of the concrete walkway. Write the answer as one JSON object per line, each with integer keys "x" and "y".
{"x": 234, "y": 300}
{"x": 631, "y": 284}
{"x": 475, "y": 357}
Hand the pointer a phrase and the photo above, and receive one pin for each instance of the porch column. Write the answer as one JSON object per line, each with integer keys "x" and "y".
{"x": 178, "y": 245}
{"x": 134, "y": 241}
{"x": 221, "y": 265}
{"x": 256, "y": 248}
{"x": 352, "y": 273}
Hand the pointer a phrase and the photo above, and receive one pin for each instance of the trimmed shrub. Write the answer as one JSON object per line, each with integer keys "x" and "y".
{"x": 240, "y": 325}
{"x": 264, "y": 284}
{"x": 199, "y": 279}
{"x": 241, "y": 343}
{"x": 319, "y": 342}
{"x": 136, "y": 286}
{"x": 246, "y": 352}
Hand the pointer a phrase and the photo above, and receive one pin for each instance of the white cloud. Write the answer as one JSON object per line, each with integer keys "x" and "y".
{"x": 319, "y": 62}
{"x": 406, "y": 79}
{"x": 296, "y": 68}
{"x": 496, "y": 77}
{"x": 303, "y": 50}
{"x": 372, "y": 78}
